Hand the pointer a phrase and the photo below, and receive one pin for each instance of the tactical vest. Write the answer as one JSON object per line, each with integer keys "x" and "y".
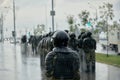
{"x": 63, "y": 65}
{"x": 89, "y": 44}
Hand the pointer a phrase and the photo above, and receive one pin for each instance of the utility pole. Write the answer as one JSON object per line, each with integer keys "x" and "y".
{"x": 46, "y": 17}
{"x": 96, "y": 15}
{"x": 52, "y": 12}
{"x": 95, "y": 11}
{"x": 1, "y": 28}
{"x": 2, "y": 34}
{"x": 14, "y": 23}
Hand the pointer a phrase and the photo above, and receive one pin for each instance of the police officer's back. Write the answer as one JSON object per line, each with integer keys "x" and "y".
{"x": 73, "y": 42}
{"x": 89, "y": 46}
{"x": 24, "y": 39}
{"x": 62, "y": 63}
{"x": 89, "y": 42}
{"x": 80, "y": 39}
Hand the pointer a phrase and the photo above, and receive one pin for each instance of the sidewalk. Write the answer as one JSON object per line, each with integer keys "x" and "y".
{"x": 17, "y": 66}
{"x": 107, "y": 72}
{"x": 104, "y": 71}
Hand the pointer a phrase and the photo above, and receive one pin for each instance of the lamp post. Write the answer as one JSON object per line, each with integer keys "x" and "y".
{"x": 1, "y": 29}
{"x": 96, "y": 15}
{"x": 2, "y": 24}
{"x": 52, "y": 13}
{"x": 14, "y": 23}
{"x": 95, "y": 11}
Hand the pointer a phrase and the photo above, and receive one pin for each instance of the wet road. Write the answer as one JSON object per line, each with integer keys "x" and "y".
{"x": 107, "y": 72}
{"x": 15, "y": 65}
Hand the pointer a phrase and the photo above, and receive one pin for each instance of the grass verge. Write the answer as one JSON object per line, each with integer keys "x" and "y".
{"x": 111, "y": 59}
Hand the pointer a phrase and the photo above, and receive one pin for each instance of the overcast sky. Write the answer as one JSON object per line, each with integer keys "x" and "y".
{"x": 29, "y": 13}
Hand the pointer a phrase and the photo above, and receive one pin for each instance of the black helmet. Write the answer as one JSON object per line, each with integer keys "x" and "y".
{"x": 88, "y": 34}
{"x": 72, "y": 35}
{"x": 80, "y": 36}
{"x": 66, "y": 31}
{"x": 60, "y": 38}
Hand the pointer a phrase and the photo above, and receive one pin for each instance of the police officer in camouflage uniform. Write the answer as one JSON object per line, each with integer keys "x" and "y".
{"x": 62, "y": 63}
{"x": 24, "y": 44}
{"x": 89, "y": 46}
{"x": 73, "y": 42}
{"x": 82, "y": 53}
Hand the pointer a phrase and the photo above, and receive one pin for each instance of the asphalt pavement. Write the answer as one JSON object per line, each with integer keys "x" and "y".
{"x": 16, "y": 64}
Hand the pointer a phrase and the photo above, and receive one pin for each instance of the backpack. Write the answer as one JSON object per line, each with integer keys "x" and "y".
{"x": 63, "y": 65}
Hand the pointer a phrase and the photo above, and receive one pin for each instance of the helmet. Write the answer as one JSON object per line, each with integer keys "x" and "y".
{"x": 80, "y": 36}
{"x": 88, "y": 34}
{"x": 72, "y": 35}
{"x": 66, "y": 31}
{"x": 60, "y": 38}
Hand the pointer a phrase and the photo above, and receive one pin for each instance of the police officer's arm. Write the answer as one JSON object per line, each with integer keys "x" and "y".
{"x": 84, "y": 44}
{"x": 95, "y": 44}
{"x": 77, "y": 67}
{"x": 80, "y": 43}
{"x": 77, "y": 62}
{"x": 77, "y": 43}
{"x": 49, "y": 64}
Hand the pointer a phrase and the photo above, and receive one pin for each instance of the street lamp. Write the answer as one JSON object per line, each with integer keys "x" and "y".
{"x": 95, "y": 11}
{"x": 52, "y": 13}
{"x": 1, "y": 28}
{"x": 14, "y": 23}
{"x": 2, "y": 24}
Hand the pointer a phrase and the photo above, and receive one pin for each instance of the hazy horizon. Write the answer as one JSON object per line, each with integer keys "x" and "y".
{"x": 29, "y": 13}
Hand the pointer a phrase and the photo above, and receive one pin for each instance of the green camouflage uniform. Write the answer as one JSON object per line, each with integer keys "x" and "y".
{"x": 89, "y": 46}
{"x": 49, "y": 63}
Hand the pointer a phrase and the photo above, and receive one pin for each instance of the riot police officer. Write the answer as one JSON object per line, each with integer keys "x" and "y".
{"x": 24, "y": 39}
{"x": 89, "y": 46}
{"x": 81, "y": 53}
{"x": 73, "y": 42}
{"x": 62, "y": 63}
{"x": 24, "y": 44}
